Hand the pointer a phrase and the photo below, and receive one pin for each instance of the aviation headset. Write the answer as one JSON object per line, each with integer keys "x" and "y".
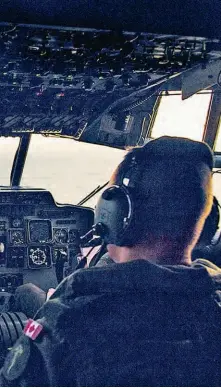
{"x": 211, "y": 233}
{"x": 115, "y": 208}
{"x": 210, "y": 237}
{"x": 114, "y": 213}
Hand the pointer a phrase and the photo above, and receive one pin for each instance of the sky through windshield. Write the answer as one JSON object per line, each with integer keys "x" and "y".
{"x": 70, "y": 169}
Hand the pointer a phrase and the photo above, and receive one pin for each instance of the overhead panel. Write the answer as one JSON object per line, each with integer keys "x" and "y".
{"x": 96, "y": 86}
{"x": 200, "y": 77}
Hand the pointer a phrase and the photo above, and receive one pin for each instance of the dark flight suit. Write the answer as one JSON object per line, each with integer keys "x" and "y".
{"x": 28, "y": 298}
{"x": 131, "y": 324}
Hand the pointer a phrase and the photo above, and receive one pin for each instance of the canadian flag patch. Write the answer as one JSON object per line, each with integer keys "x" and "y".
{"x": 32, "y": 329}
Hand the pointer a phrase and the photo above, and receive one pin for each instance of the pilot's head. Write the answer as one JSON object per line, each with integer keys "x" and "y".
{"x": 170, "y": 182}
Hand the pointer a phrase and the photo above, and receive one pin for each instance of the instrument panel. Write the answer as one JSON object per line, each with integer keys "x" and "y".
{"x": 36, "y": 232}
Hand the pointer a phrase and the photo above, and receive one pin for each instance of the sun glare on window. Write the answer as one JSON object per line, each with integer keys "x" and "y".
{"x": 185, "y": 118}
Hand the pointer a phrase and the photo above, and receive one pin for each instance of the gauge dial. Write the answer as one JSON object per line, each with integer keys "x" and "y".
{"x": 37, "y": 256}
{"x": 17, "y": 223}
{"x": 61, "y": 236}
{"x": 17, "y": 237}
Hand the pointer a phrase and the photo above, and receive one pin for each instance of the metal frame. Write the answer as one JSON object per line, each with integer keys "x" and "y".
{"x": 213, "y": 119}
{"x": 19, "y": 160}
{"x": 154, "y": 113}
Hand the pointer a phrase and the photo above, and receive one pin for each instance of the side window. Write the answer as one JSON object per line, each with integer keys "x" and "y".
{"x": 218, "y": 139}
{"x": 177, "y": 117}
{"x": 186, "y": 118}
{"x": 8, "y": 147}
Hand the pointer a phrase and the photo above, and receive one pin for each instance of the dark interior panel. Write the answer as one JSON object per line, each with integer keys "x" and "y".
{"x": 36, "y": 235}
{"x": 192, "y": 17}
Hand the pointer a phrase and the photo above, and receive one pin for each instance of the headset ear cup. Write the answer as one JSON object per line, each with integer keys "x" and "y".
{"x": 211, "y": 226}
{"x": 114, "y": 211}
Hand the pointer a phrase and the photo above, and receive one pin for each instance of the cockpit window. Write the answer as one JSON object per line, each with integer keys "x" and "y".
{"x": 67, "y": 168}
{"x": 177, "y": 117}
{"x": 8, "y": 148}
{"x": 218, "y": 138}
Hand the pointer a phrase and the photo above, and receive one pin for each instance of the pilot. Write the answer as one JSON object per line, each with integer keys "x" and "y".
{"x": 149, "y": 318}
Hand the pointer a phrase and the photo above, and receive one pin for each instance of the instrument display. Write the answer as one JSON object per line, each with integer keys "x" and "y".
{"x": 17, "y": 223}
{"x": 39, "y": 257}
{"x": 61, "y": 236}
{"x": 17, "y": 236}
{"x": 3, "y": 245}
{"x": 59, "y": 253}
{"x": 2, "y": 225}
{"x": 37, "y": 235}
{"x": 40, "y": 231}
{"x": 74, "y": 236}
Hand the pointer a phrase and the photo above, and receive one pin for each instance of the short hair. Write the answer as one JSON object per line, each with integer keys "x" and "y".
{"x": 172, "y": 193}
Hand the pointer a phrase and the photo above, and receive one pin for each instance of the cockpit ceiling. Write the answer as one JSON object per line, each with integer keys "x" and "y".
{"x": 71, "y": 81}
{"x": 177, "y": 17}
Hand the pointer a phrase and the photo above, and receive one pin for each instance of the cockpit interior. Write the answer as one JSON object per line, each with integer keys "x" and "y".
{"x": 95, "y": 84}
